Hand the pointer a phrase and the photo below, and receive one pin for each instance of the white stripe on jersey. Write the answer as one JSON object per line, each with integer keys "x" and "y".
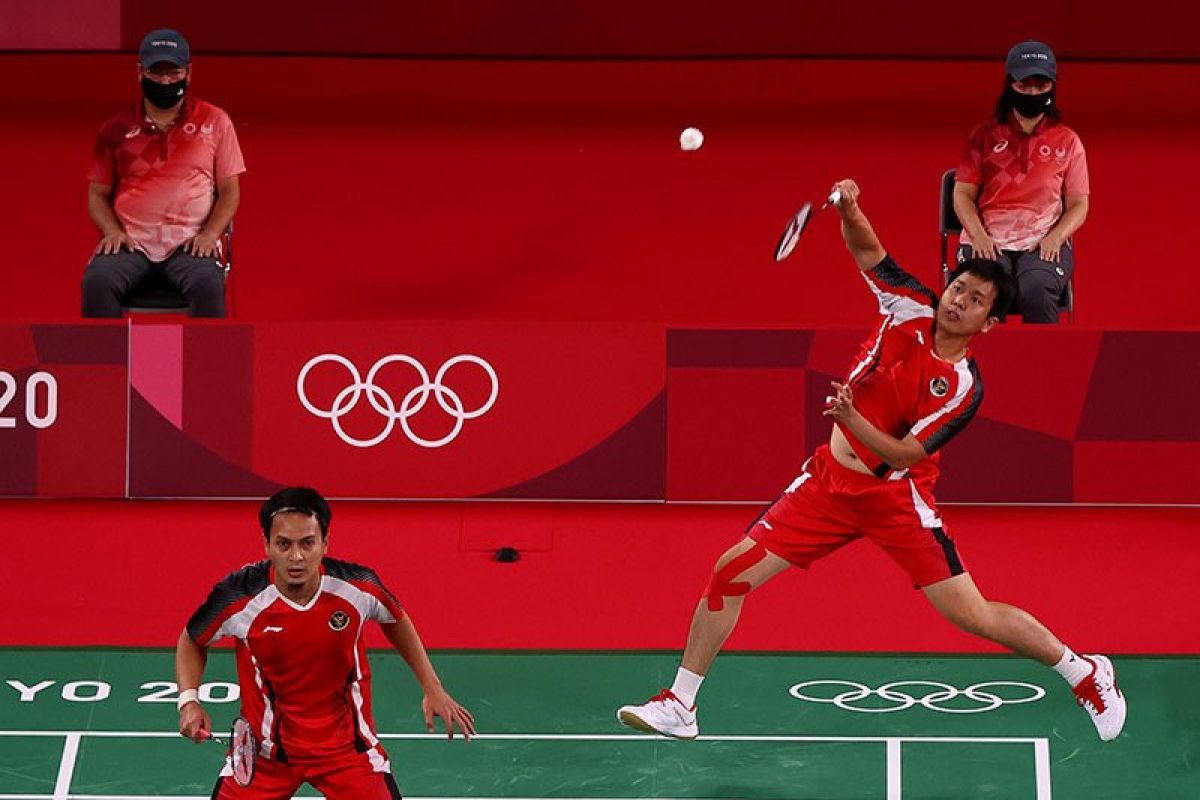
{"x": 366, "y": 604}
{"x": 965, "y": 382}
{"x": 378, "y": 762}
{"x": 929, "y": 517}
{"x": 872, "y": 353}
{"x": 238, "y": 625}
{"x": 266, "y": 746}
{"x": 902, "y": 309}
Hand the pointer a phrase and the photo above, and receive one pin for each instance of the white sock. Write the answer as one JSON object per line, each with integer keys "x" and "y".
{"x": 1072, "y": 667}
{"x": 687, "y": 686}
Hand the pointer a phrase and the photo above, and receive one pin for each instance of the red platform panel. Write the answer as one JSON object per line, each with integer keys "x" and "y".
{"x": 62, "y": 410}
{"x": 410, "y": 410}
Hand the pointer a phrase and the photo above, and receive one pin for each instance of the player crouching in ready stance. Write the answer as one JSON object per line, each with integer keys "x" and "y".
{"x": 913, "y": 387}
{"x": 298, "y": 620}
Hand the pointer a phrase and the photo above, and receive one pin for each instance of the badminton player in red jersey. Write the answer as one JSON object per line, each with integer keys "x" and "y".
{"x": 297, "y": 619}
{"x": 911, "y": 389}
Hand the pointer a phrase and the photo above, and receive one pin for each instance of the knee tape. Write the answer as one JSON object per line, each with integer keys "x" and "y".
{"x": 722, "y": 585}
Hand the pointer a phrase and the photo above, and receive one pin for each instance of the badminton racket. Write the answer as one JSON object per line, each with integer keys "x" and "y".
{"x": 242, "y": 750}
{"x": 798, "y": 222}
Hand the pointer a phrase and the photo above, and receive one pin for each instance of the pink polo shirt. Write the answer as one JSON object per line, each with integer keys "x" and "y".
{"x": 1023, "y": 178}
{"x": 165, "y": 180}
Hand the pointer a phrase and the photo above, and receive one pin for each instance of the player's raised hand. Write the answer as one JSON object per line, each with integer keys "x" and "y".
{"x": 438, "y": 703}
{"x": 849, "y": 192}
{"x": 839, "y": 405}
{"x": 195, "y": 723}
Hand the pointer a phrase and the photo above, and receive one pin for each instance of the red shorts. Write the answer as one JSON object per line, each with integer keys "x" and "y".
{"x": 347, "y": 777}
{"x": 829, "y": 506}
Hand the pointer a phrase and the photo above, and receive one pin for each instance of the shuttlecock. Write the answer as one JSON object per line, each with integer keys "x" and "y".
{"x": 690, "y": 139}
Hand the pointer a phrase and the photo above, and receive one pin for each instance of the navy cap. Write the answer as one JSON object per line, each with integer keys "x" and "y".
{"x": 164, "y": 44}
{"x": 1030, "y": 58}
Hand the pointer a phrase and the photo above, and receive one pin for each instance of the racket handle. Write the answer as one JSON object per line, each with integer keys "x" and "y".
{"x": 835, "y": 196}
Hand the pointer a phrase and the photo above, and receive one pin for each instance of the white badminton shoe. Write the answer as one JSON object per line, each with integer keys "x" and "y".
{"x": 664, "y": 714}
{"x": 1101, "y": 698}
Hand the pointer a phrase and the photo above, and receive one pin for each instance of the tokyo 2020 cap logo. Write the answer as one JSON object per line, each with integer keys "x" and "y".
{"x": 411, "y": 404}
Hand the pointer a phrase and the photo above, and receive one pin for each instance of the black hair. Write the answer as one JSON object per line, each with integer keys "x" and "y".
{"x": 299, "y": 499}
{"x": 1004, "y": 104}
{"x": 993, "y": 273}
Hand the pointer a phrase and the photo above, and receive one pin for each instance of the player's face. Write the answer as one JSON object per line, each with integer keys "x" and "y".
{"x": 966, "y": 306}
{"x": 296, "y": 548}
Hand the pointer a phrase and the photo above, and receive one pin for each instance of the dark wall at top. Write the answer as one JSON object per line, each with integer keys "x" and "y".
{"x": 1107, "y": 29}
{"x": 935, "y": 28}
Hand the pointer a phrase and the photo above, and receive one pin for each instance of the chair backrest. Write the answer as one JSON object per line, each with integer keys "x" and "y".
{"x": 156, "y": 295}
{"x": 947, "y": 218}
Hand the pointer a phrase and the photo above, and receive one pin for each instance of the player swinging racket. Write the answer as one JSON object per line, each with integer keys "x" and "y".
{"x": 297, "y": 619}
{"x": 912, "y": 387}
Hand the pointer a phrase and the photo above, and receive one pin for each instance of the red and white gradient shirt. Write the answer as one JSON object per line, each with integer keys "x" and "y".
{"x": 1022, "y": 179}
{"x": 303, "y": 672}
{"x": 900, "y": 385}
{"x": 165, "y": 181}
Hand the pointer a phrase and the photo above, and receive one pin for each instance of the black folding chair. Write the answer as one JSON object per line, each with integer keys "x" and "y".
{"x": 949, "y": 224}
{"x": 154, "y": 294}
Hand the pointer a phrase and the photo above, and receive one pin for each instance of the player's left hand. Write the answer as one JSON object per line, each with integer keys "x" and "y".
{"x": 438, "y": 703}
{"x": 839, "y": 405}
{"x": 1050, "y": 247}
{"x": 203, "y": 245}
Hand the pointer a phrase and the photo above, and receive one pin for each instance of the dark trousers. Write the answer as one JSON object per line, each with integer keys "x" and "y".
{"x": 1040, "y": 283}
{"x": 108, "y": 279}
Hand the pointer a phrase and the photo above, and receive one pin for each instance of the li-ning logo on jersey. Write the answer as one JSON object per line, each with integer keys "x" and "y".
{"x": 939, "y": 386}
{"x": 1000, "y": 146}
{"x": 338, "y": 620}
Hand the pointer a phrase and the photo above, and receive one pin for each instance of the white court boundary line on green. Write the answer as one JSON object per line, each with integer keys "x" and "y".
{"x": 893, "y": 748}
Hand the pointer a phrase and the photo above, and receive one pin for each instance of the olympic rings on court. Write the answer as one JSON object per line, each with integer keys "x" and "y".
{"x": 934, "y": 701}
{"x": 385, "y": 404}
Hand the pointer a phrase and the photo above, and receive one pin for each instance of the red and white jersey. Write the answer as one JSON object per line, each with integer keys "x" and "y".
{"x": 1022, "y": 179}
{"x": 164, "y": 180}
{"x": 901, "y": 385}
{"x": 303, "y": 671}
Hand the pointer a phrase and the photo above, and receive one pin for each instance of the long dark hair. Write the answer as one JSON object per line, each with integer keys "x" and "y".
{"x": 1004, "y": 106}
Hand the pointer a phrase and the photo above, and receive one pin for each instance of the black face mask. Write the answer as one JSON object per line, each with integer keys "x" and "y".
{"x": 163, "y": 95}
{"x": 1030, "y": 106}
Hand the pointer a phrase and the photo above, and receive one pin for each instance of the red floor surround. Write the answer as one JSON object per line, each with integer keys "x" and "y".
{"x": 602, "y": 576}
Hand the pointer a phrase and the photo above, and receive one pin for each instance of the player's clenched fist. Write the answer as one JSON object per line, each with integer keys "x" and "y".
{"x": 195, "y": 723}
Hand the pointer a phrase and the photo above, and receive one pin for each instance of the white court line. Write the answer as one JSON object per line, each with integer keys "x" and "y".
{"x": 1041, "y": 752}
{"x": 1041, "y": 760}
{"x": 66, "y": 767}
{"x": 895, "y": 785}
{"x": 593, "y": 737}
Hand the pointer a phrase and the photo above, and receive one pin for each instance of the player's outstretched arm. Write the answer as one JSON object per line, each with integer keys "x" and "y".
{"x": 190, "y": 660}
{"x": 860, "y": 237}
{"x": 896, "y": 453}
{"x": 437, "y": 702}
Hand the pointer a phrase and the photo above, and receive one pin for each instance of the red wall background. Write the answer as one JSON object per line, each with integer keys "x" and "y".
{"x": 395, "y": 188}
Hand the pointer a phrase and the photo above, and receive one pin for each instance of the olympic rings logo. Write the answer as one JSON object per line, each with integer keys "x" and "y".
{"x": 385, "y": 404}
{"x": 934, "y": 701}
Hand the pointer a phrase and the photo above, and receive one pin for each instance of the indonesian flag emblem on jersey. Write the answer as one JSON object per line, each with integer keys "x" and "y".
{"x": 901, "y": 385}
{"x": 303, "y": 671}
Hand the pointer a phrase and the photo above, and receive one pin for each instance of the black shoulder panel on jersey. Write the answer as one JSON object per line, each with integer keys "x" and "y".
{"x": 889, "y": 273}
{"x": 246, "y": 582}
{"x": 349, "y": 572}
{"x": 964, "y": 414}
